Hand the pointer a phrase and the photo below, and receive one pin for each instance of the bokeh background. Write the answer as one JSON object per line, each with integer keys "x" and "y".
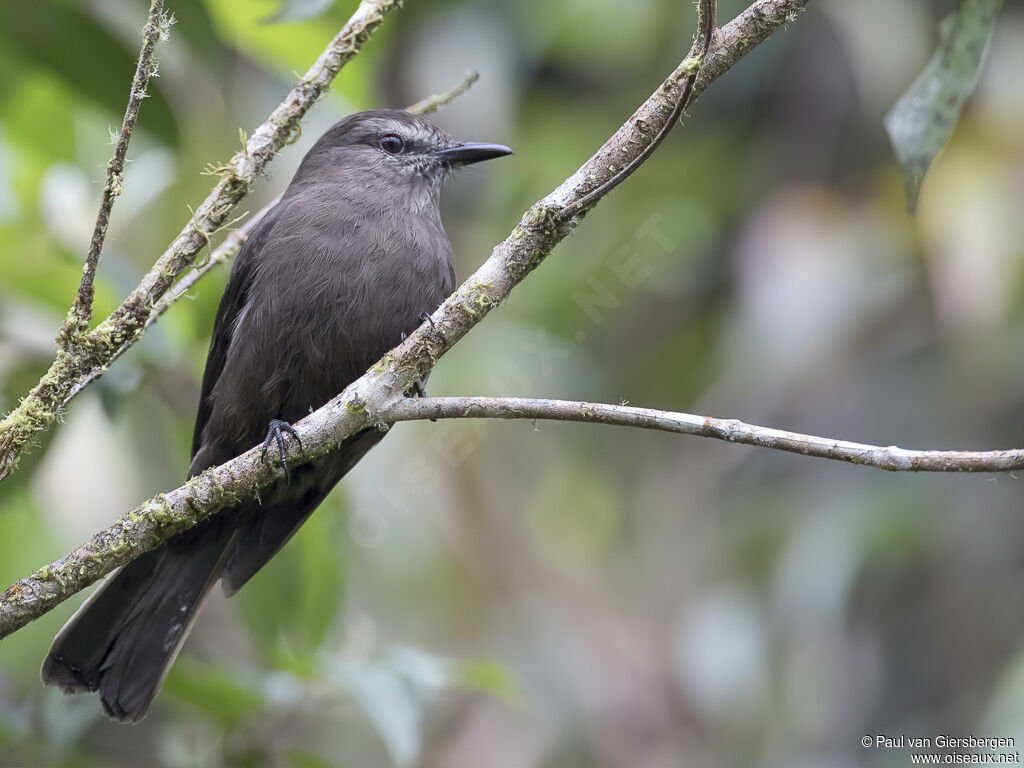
{"x": 513, "y": 594}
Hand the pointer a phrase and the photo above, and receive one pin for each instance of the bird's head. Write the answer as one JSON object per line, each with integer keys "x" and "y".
{"x": 384, "y": 146}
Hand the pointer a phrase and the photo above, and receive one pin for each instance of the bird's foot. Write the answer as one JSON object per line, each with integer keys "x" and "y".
{"x": 426, "y": 318}
{"x": 276, "y": 432}
{"x": 417, "y": 386}
{"x": 420, "y": 390}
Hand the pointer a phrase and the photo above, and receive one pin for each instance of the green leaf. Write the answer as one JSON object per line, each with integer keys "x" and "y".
{"x": 922, "y": 121}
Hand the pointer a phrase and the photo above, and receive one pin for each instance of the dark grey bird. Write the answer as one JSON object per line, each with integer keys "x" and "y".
{"x": 346, "y": 263}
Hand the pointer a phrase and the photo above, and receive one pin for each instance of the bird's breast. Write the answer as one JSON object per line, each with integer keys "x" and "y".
{"x": 342, "y": 294}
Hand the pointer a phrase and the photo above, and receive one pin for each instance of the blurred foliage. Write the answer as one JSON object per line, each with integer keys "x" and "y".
{"x": 922, "y": 121}
{"x": 300, "y": 10}
{"x": 542, "y": 594}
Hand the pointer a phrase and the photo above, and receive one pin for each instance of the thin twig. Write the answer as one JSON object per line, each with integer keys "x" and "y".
{"x": 156, "y": 27}
{"x": 431, "y": 104}
{"x": 373, "y": 393}
{"x": 889, "y": 457}
{"x": 686, "y": 77}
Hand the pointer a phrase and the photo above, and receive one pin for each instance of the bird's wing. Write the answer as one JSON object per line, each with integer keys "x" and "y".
{"x": 231, "y": 304}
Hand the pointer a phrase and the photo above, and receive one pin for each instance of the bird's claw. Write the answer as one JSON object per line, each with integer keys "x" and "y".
{"x": 420, "y": 390}
{"x": 276, "y": 432}
{"x": 417, "y": 386}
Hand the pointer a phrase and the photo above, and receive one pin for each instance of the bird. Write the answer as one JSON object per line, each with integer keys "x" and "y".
{"x": 352, "y": 258}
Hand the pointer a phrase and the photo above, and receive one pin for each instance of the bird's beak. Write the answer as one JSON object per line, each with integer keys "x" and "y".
{"x": 472, "y": 152}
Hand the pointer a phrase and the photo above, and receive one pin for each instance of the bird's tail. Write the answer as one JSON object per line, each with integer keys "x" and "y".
{"x": 124, "y": 638}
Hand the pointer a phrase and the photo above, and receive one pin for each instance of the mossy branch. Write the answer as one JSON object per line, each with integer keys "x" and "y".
{"x": 156, "y": 28}
{"x": 365, "y": 402}
{"x": 93, "y": 351}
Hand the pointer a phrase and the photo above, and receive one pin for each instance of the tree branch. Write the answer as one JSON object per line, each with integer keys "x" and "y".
{"x": 361, "y": 404}
{"x": 157, "y": 25}
{"x": 222, "y": 254}
{"x": 890, "y": 457}
{"x": 92, "y": 353}
{"x": 431, "y": 104}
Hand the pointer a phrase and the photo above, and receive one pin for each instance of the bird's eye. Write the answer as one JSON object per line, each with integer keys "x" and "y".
{"x": 392, "y": 144}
